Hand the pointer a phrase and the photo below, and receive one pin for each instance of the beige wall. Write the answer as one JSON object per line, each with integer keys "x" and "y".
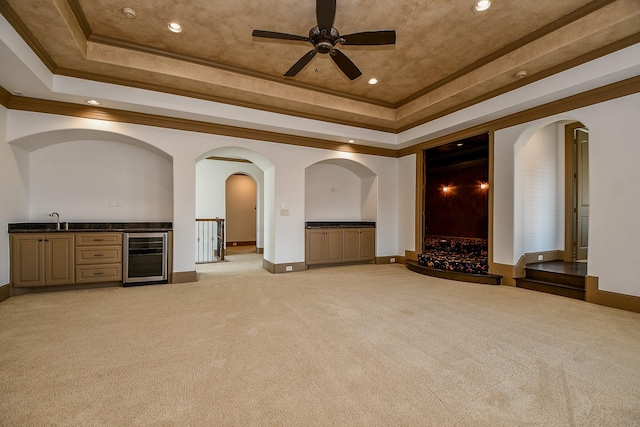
{"x": 241, "y": 209}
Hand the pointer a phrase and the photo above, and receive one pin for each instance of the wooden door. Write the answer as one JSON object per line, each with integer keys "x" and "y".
{"x": 582, "y": 194}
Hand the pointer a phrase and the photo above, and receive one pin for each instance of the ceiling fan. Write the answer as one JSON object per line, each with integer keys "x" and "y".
{"x": 324, "y": 39}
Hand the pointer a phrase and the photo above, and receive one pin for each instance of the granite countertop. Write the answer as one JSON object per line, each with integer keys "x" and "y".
{"x": 75, "y": 227}
{"x": 340, "y": 224}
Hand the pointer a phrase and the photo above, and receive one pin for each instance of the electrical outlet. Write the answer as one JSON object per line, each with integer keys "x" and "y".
{"x": 392, "y": 260}
{"x": 284, "y": 212}
{"x": 288, "y": 268}
{"x": 540, "y": 257}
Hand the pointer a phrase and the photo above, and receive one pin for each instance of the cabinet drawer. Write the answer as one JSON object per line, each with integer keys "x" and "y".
{"x": 98, "y": 255}
{"x": 99, "y": 273}
{"x": 98, "y": 239}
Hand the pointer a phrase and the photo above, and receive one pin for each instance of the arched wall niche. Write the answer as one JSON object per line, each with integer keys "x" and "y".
{"x": 96, "y": 175}
{"x": 41, "y": 140}
{"x": 211, "y": 176}
{"x": 340, "y": 190}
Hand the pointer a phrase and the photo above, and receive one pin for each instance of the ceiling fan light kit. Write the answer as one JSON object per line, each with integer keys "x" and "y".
{"x": 324, "y": 38}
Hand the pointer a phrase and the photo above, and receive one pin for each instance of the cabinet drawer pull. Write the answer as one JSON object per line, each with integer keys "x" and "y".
{"x": 98, "y": 240}
{"x": 98, "y": 273}
{"x": 98, "y": 254}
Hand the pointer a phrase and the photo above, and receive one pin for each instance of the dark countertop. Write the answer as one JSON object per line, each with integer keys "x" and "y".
{"x": 339, "y": 224}
{"x": 75, "y": 227}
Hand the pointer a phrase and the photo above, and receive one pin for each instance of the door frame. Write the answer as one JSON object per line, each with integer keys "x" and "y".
{"x": 570, "y": 191}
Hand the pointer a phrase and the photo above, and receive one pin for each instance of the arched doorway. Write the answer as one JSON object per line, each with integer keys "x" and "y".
{"x": 214, "y": 168}
{"x": 241, "y": 213}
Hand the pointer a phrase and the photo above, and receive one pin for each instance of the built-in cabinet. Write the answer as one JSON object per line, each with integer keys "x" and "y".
{"x": 98, "y": 257}
{"x": 339, "y": 245}
{"x": 359, "y": 244}
{"x": 324, "y": 246}
{"x": 62, "y": 258}
{"x": 42, "y": 259}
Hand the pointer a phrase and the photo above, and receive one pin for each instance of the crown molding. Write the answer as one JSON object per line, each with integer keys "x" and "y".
{"x": 5, "y": 96}
{"x": 539, "y": 33}
{"x": 27, "y": 35}
{"x": 604, "y": 93}
{"x": 100, "y": 113}
{"x": 595, "y": 96}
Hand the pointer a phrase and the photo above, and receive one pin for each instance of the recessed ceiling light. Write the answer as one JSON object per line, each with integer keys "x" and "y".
{"x": 481, "y": 5}
{"x": 373, "y": 81}
{"x": 129, "y": 13}
{"x": 459, "y": 144}
{"x": 92, "y": 102}
{"x": 521, "y": 74}
{"x": 174, "y": 27}
{"x": 351, "y": 141}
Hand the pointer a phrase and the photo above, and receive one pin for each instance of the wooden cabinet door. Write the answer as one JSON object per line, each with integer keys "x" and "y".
{"x": 27, "y": 260}
{"x": 351, "y": 245}
{"x": 333, "y": 242}
{"x": 315, "y": 247}
{"x": 367, "y": 244}
{"x": 59, "y": 264}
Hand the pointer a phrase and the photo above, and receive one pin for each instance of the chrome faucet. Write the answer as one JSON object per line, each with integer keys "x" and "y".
{"x": 57, "y": 219}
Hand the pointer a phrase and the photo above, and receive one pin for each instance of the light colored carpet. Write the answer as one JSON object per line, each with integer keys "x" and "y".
{"x": 356, "y": 345}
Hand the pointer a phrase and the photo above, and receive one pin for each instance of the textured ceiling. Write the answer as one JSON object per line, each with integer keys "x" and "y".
{"x": 446, "y": 56}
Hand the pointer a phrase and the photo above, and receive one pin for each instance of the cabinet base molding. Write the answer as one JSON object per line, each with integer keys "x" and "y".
{"x": 340, "y": 264}
{"x": 43, "y": 289}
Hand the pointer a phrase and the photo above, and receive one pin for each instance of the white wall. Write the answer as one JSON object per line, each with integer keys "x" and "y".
{"x": 614, "y": 196}
{"x": 14, "y": 191}
{"x": 211, "y": 176}
{"x": 406, "y": 204}
{"x": 543, "y": 216}
{"x": 284, "y": 174}
{"x": 332, "y": 193}
{"x": 100, "y": 181}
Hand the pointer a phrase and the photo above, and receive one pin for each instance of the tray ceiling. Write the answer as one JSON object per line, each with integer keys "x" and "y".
{"x": 446, "y": 56}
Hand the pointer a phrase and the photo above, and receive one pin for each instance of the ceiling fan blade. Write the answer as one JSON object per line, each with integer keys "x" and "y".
{"x": 302, "y": 62}
{"x": 279, "y": 36}
{"x": 345, "y": 64}
{"x": 326, "y": 12}
{"x": 371, "y": 38}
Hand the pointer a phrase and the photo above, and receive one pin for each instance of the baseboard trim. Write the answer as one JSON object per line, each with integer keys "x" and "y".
{"x": 532, "y": 257}
{"x": 242, "y": 243}
{"x": 410, "y": 255}
{"x": 397, "y": 259}
{"x": 5, "y": 292}
{"x": 610, "y": 299}
{"x": 508, "y": 273}
{"x": 269, "y": 266}
{"x": 184, "y": 276}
